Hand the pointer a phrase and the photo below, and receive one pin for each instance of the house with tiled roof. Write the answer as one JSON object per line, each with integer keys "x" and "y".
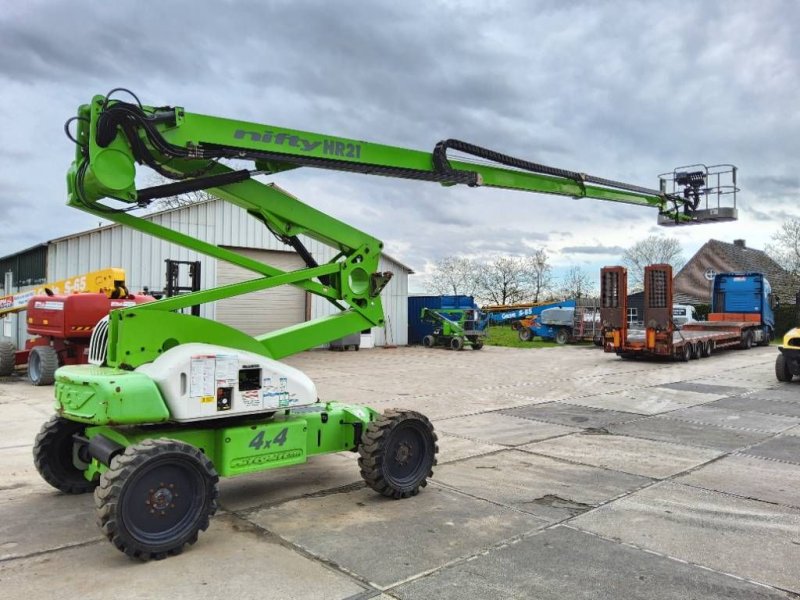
{"x": 692, "y": 284}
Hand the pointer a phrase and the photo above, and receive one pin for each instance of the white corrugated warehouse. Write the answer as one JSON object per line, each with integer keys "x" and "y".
{"x": 223, "y": 224}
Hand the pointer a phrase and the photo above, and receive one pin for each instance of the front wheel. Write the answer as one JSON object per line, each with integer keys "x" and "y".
{"x": 398, "y": 453}
{"x": 477, "y": 343}
{"x": 456, "y": 343}
{"x": 525, "y": 334}
{"x": 428, "y": 341}
{"x": 562, "y": 336}
{"x": 156, "y": 497}
{"x": 782, "y": 370}
{"x": 59, "y": 459}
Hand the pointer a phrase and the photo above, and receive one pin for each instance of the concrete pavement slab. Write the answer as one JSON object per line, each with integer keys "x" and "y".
{"x": 731, "y": 378}
{"x": 645, "y": 401}
{"x": 704, "y": 388}
{"x": 766, "y": 480}
{"x": 548, "y": 488}
{"x": 386, "y": 541}
{"x": 502, "y": 429}
{"x": 707, "y": 528}
{"x": 736, "y": 419}
{"x": 760, "y": 405}
{"x": 630, "y": 455}
{"x": 456, "y": 448}
{"x": 562, "y": 563}
{"x": 666, "y": 429}
{"x": 787, "y": 392}
{"x": 231, "y": 560}
{"x": 320, "y": 473}
{"x": 572, "y": 415}
{"x": 36, "y": 523}
{"x": 19, "y": 424}
{"x": 784, "y": 447}
{"x": 20, "y": 476}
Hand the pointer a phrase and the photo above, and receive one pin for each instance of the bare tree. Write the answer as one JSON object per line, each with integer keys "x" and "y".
{"x": 178, "y": 201}
{"x": 577, "y": 283}
{"x": 539, "y": 274}
{"x": 503, "y": 281}
{"x": 655, "y": 249}
{"x": 454, "y": 275}
{"x": 785, "y": 249}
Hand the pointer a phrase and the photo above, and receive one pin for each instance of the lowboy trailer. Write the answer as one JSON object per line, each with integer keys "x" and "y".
{"x": 746, "y": 292}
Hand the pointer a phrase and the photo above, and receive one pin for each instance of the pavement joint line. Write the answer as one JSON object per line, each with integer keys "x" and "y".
{"x": 36, "y": 553}
{"x": 766, "y": 458}
{"x": 342, "y": 489}
{"x": 749, "y": 429}
{"x": 330, "y": 565}
{"x": 676, "y": 559}
{"x": 16, "y": 447}
{"x": 751, "y": 498}
{"x": 506, "y": 446}
{"x": 460, "y": 492}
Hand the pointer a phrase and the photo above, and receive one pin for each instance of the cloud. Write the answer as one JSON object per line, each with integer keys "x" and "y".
{"x": 620, "y": 90}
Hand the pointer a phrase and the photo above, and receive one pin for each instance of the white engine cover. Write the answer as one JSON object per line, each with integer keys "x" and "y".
{"x": 202, "y": 381}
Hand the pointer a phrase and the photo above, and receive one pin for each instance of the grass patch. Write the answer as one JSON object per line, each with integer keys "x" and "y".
{"x": 503, "y": 335}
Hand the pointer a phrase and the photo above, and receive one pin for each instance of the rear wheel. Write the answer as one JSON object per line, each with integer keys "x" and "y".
{"x": 42, "y": 365}
{"x": 7, "y": 357}
{"x": 562, "y": 336}
{"x": 398, "y": 453}
{"x": 156, "y": 497}
{"x": 697, "y": 350}
{"x": 456, "y": 343}
{"x": 525, "y": 334}
{"x": 428, "y": 341}
{"x": 747, "y": 340}
{"x": 477, "y": 343}
{"x": 684, "y": 353}
{"x": 706, "y": 349}
{"x": 57, "y": 457}
{"x": 782, "y": 371}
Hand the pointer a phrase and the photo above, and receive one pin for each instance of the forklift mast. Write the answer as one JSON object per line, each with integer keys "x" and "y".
{"x": 113, "y": 136}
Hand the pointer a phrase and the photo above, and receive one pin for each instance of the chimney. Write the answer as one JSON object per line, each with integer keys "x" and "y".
{"x": 739, "y": 243}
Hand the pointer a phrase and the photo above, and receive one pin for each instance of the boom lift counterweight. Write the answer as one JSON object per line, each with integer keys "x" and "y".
{"x": 177, "y": 400}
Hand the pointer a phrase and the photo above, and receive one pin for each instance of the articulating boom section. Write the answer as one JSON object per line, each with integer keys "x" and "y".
{"x": 112, "y": 136}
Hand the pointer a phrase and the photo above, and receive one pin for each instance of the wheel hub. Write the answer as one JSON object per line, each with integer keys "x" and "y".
{"x": 161, "y": 499}
{"x": 403, "y": 454}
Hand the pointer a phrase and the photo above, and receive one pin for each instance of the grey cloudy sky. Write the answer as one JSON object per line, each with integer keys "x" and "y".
{"x": 623, "y": 90}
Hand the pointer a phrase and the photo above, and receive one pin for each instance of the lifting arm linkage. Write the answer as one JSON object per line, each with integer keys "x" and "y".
{"x": 112, "y": 136}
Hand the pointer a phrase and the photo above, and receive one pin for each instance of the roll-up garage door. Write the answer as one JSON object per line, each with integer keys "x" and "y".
{"x": 266, "y": 310}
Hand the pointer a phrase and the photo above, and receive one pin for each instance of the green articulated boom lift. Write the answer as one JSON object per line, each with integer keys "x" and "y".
{"x": 455, "y": 328}
{"x": 170, "y": 401}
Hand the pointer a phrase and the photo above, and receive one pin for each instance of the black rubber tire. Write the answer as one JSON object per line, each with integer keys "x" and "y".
{"x": 684, "y": 353}
{"x": 562, "y": 336}
{"x": 398, "y": 435}
{"x": 7, "y": 357}
{"x": 697, "y": 350}
{"x": 53, "y": 456}
{"x": 456, "y": 343}
{"x": 42, "y": 365}
{"x": 428, "y": 341}
{"x": 477, "y": 343}
{"x": 525, "y": 334}
{"x": 782, "y": 371}
{"x": 747, "y": 340}
{"x": 146, "y": 478}
{"x": 707, "y": 349}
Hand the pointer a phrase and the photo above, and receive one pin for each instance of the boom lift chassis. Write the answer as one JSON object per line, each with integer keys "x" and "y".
{"x": 174, "y": 401}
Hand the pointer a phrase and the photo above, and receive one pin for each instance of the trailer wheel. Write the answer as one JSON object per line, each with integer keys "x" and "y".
{"x": 525, "y": 334}
{"x": 7, "y": 358}
{"x": 782, "y": 370}
{"x": 55, "y": 456}
{"x": 697, "y": 350}
{"x": 706, "y": 352}
{"x": 456, "y": 343}
{"x": 42, "y": 365}
{"x": 684, "y": 353}
{"x": 156, "y": 497}
{"x": 747, "y": 340}
{"x": 428, "y": 341}
{"x": 398, "y": 453}
{"x": 562, "y": 336}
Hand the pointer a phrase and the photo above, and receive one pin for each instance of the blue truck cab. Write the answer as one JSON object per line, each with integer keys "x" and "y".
{"x": 748, "y": 295}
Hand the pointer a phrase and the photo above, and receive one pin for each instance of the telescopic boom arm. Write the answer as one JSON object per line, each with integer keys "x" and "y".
{"x": 113, "y": 136}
